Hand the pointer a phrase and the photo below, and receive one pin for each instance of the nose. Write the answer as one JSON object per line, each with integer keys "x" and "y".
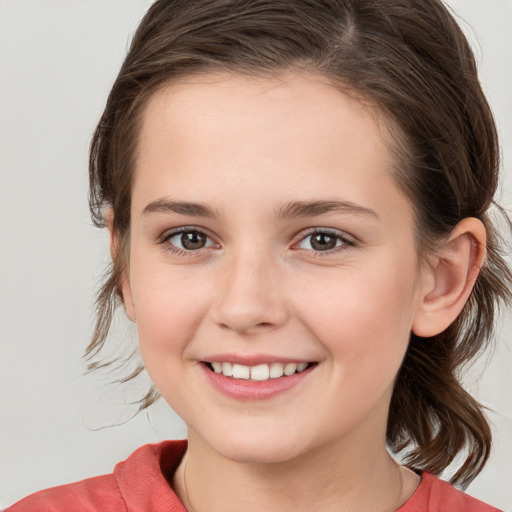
{"x": 250, "y": 297}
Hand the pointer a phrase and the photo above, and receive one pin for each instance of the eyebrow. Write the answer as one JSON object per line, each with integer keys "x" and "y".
{"x": 314, "y": 208}
{"x": 293, "y": 209}
{"x": 183, "y": 208}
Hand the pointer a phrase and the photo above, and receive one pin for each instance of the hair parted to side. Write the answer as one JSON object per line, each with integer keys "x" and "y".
{"x": 411, "y": 62}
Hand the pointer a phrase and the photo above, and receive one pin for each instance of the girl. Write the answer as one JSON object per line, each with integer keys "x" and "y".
{"x": 297, "y": 195}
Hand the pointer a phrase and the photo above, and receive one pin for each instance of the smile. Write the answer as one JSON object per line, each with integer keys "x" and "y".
{"x": 260, "y": 372}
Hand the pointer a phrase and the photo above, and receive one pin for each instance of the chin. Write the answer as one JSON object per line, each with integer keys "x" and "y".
{"x": 257, "y": 449}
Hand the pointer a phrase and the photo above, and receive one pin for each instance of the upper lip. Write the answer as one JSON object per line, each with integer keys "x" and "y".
{"x": 253, "y": 359}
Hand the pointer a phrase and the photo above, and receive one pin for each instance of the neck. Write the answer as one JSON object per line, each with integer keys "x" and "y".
{"x": 329, "y": 478}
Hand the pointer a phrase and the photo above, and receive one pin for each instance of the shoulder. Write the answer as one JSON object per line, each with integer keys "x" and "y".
{"x": 141, "y": 482}
{"x": 91, "y": 495}
{"x": 436, "y": 495}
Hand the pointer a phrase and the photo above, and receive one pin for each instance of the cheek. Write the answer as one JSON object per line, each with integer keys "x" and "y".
{"x": 169, "y": 307}
{"x": 362, "y": 314}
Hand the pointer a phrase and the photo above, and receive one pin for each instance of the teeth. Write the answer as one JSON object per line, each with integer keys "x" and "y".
{"x": 260, "y": 372}
{"x": 227, "y": 369}
{"x": 290, "y": 368}
{"x": 301, "y": 367}
{"x": 276, "y": 370}
{"x": 240, "y": 371}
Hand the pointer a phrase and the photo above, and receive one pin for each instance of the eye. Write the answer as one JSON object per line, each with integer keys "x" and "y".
{"x": 322, "y": 241}
{"x": 189, "y": 240}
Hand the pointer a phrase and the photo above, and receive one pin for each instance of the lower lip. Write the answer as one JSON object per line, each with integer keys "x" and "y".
{"x": 255, "y": 390}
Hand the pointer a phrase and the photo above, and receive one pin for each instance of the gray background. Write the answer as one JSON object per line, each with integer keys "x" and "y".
{"x": 58, "y": 59}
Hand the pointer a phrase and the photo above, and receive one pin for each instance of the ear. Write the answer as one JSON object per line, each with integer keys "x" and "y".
{"x": 450, "y": 277}
{"x": 124, "y": 281}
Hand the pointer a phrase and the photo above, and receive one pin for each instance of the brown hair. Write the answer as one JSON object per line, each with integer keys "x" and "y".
{"x": 411, "y": 61}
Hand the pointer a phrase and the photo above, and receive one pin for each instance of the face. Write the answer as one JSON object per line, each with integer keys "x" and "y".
{"x": 273, "y": 275}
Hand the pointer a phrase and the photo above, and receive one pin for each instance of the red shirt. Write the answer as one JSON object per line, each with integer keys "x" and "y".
{"x": 141, "y": 484}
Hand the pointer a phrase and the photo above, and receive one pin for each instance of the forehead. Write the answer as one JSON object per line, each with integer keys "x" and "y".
{"x": 226, "y": 103}
{"x": 256, "y": 101}
{"x": 280, "y": 137}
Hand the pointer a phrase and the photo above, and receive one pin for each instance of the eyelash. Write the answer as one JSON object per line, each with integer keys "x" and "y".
{"x": 166, "y": 237}
{"x": 345, "y": 241}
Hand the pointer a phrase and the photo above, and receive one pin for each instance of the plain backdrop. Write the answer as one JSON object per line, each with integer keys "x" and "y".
{"x": 58, "y": 59}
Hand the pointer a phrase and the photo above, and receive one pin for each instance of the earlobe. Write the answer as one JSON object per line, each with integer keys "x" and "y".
{"x": 115, "y": 253}
{"x": 127, "y": 297}
{"x": 447, "y": 283}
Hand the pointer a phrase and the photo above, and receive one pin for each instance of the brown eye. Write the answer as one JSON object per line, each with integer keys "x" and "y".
{"x": 323, "y": 241}
{"x": 189, "y": 240}
{"x": 193, "y": 240}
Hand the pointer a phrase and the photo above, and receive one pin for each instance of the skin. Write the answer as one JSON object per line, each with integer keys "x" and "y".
{"x": 246, "y": 148}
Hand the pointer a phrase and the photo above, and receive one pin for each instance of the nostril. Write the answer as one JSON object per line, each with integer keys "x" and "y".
{"x": 260, "y": 325}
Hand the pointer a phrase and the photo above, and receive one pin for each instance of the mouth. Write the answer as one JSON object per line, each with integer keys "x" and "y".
{"x": 257, "y": 373}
